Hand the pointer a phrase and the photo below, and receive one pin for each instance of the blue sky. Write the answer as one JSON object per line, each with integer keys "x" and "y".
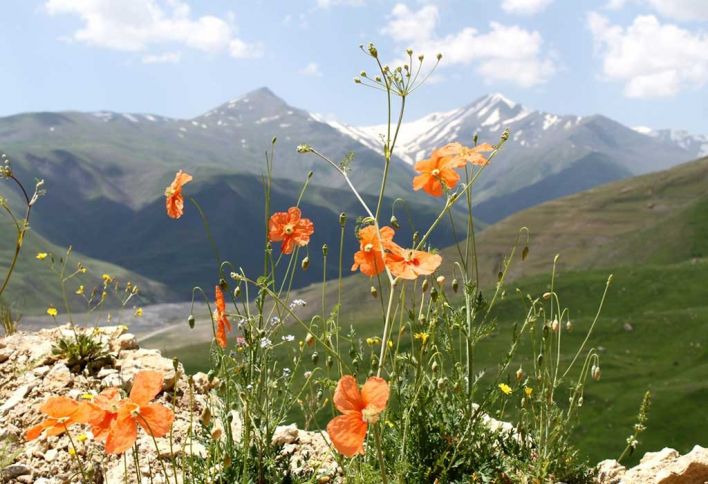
{"x": 641, "y": 62}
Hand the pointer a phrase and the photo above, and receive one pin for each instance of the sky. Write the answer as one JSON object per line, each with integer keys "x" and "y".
{"x": 640, "y": 62}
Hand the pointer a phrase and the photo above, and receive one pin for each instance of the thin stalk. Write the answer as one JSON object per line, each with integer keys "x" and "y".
{"x": 377, "y": 438}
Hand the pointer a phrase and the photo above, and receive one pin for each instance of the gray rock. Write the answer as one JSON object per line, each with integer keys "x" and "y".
{"x": 13, "y": 471}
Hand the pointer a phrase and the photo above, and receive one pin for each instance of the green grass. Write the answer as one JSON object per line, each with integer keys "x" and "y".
{"x": 664, "y": 352}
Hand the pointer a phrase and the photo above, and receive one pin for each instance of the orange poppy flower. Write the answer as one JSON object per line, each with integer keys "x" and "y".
{"x": 348, "y": 431}
{"x": 291, "y": 229}
{"x": 137, "y": 410}
{"x": 461, "y": 154}
{"x": 173, "y": 194}
{"x": 436, "y": 171}
{"x": 222, "y": 322}
{"x": 61, "y": 412}
{"x": 369, "y": 258}
{"x": 409, "y": 263}
{"x": 103, "y": 412}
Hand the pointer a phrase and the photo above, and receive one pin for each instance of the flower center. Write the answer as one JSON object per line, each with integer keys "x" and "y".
{"x": 370, "y": 414}
{"x": 435, "y": 172}
{"x": 289, "y": 229}
{"x": 368, "y": 247}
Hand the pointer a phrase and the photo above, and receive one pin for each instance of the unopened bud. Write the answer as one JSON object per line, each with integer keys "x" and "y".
{"x": 315, "y": 357}
{"x": 237, "y": 292}
{"x": 434, "y": 366}
{"x": 434, "y": 294}
{"x": 305, "y": 263}
{"x": 439, "y": 56}
{"x": 525, "y": 253}
{"x": 372, "y": 50}
{"x": 595, "y": 372}
{"x": 424, "y": 286}
{"x": 374, "y": 292}
{"x": 569, "y": 326}
{"x": 455, "y": 285}
{"x": 329, "y": 362}
{"x": 441, "y": 383}
{"x": 555, "y": 326}
{"x": 520, "y": 375}
{"x": 362, "y": 73}
{"x": 304, "y": 148}
{"x": 342, "y": 219}
{"x": 394, "y": 222}
{"x": 409, "y": 51}
{"x": 357, "y": 80}
{"x": 234, "y": 276}
{"x": 190, "y": 321}
{"x": 440, "y": 280}
{"x": 310, "y": 339}
{"x": 546, "y": 295}
{"x": 325, "y": 249}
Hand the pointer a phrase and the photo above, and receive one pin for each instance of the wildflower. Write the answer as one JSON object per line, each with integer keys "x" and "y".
{"x": 41, "y": 255}
{"x": 156, "y": 419}
{"x": 52, "y": 311}
{"x": 107, "y": 279}
{"x": 520, "y": 374}
{"x": 265, "y": 343}
{"x": 310, "y": 339}
{"x": 370, "y": 257}
{"x": 288, "y": 337}
{"x": 505, "y": 389}
{"x": 81, "y": 437}
{"x": 222, "y": 322}
{"x": 461, "y": 154}
{"x": 61, "y": 412}
{"x": 359, "y": 409}
{"x": 80, "y": 290}
{"x": 435, "y": 172}
{"x": 72, "y": 451}
{"x": 528, "y": 391}
{"x": 139, "y": 313}
{"x": 297, "y": 303}
{"x": 291, "y": 229}
{"x": 174, "y": 200}
{"x": 409, "y": 264}
{"x": 422, "y": 337}
{"x": 102, "y": 411}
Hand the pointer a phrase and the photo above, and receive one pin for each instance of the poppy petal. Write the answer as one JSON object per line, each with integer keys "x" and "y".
{"x": 34, "y": 432}
{"x": 122, "y": 434}
{"x": 156, "y": 419}
{"x": 375, "y": 392}
{"x": 59, "y": 407}
{"x": 146, "y": 385}
{"x": 347, "y": 397}
{"x": 347, "y": 433}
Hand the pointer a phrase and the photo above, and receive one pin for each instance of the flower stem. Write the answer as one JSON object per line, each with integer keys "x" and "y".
{"x": 379, "y": 451}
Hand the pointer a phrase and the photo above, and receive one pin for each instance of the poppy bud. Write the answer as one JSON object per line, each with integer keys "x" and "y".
{"x": 441, "y": 383}
{"x": 440, "y": 280}
{"x": 434, "y": 366}
{"x": 223, "y": 284}
{"x": 325, "y": 249}
{"x": 546, "y": 295}
{"x": 455, "y": 285}
{"x": 539, "y": 360}
{"x": 374, "y": 292}
{"x": 330, "y": 362}
{"x": 555, "y": 326}
{"x": 315, "y": 357}
{"x": 434, "y": 294}
{"x": 310, "y": 339}
{"x": 190, "y": 321}
{"x": 595, "y": 372}
{"x": 520, "y": 375}
{"x": 362, "y": 73}
{"x": 525, "y": 253}
{"x": 304, "y": 148}
{"x": 305, "y": 263}
{"x": 439, "y": 56}
{"x": 505, "y": 135}
{"x": 237, "y": 292}
{"x": 424, "y": 286}
{"x": 274, "y": 140}
{"x": 409, "y": 51}
{"x": 568, "y": 326}
{"x": 394, "y": 222}
{"x": 372, "y": 50}
{"x": 342, "y": 219}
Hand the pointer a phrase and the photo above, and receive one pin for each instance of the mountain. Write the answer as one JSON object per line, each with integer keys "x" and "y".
{"x": 581, "y": 151}
{"x": 106, "y": 173}
{"x": 695, "y": 144}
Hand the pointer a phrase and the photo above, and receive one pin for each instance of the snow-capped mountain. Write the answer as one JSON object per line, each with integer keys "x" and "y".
{"x": 696, "y": 144}
{"x": 577, "y": 152}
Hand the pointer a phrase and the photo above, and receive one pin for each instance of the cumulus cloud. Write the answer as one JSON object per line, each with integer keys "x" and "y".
{"x": 137, "y": 25}
{"x": 676, "y": 9}
{"x": 504, "y": 53}
{"x": 164, "y": 58}
{"x": 525, "y": 7}
{"x": 312, "y": 69}
{"x": 651, "y": 58}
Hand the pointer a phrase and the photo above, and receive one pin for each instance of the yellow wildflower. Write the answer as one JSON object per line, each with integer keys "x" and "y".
{"x": 106, "y": 279}
{"x": 139, "y": 312}
{"x": 80, "y": 290}
{"x": 72, "y": 451}
{"x": 42, "y": 255}
{"x": 505, "y": 389}
{"x": 52, "y": 311}
{"x": 87, "y": 396}
{"x": 422, "y": 336}
{"x": 81, "y": 437}
{"x": 528, "y": 391}
{"x": 390, "y": 344}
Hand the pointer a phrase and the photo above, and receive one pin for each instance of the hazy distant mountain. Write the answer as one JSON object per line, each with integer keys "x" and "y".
{"x": 695, "y": 144}
{"x": 577, "y": 152}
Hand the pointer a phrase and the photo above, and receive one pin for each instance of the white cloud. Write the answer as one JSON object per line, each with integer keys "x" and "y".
{"x": 676, "y": 9}
{"x": 651, "y": 58}
{"x": 504, "y": 53}
{"x": 164, "y": 58}
{"x": 332, "y": 3}
{"x": 137, "y": 25}
{"x": 312, "y": 69}
{"x": 525, "y": 7}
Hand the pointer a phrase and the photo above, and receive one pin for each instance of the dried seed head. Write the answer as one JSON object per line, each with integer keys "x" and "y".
{"x": 305, "y": 263}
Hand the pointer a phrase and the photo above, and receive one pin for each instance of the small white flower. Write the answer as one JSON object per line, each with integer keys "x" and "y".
{"x": 274, "y": 320}
{"x": 288, "y": 337}
{"x": 286, "y": 372}
{"x": 297, "y": 303}
{"x": 265, "y": 343}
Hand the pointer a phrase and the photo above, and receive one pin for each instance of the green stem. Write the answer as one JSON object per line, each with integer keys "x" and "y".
{"x": 379, "y": 450}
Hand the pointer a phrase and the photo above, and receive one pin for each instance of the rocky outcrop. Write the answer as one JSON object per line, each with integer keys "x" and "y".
{"x": 30, "y": 372}
{"x": 666, "y": 466}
